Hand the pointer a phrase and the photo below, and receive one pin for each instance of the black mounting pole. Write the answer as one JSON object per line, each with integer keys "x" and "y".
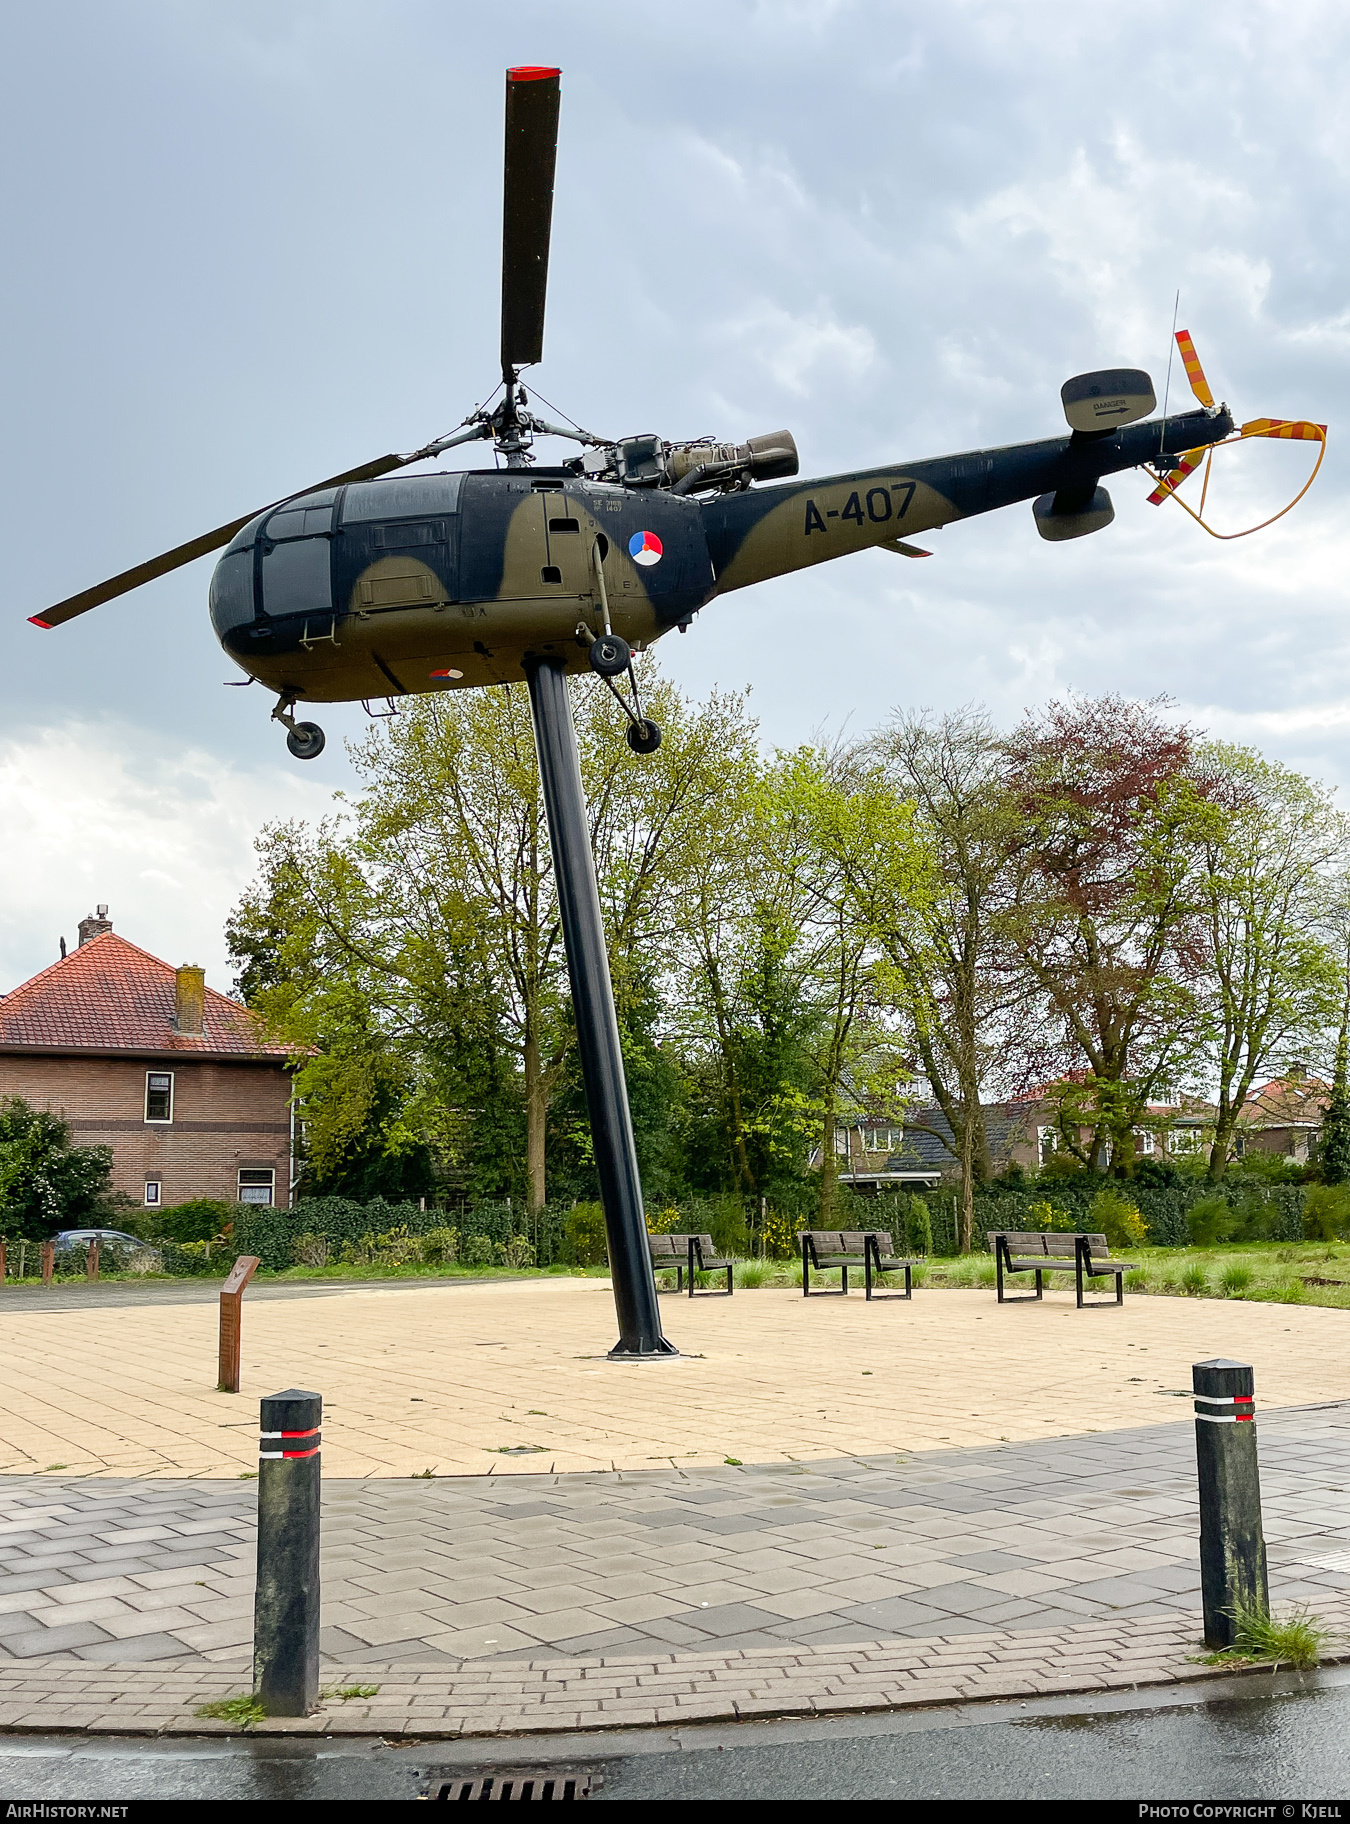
{"x": 630, "y": 1262}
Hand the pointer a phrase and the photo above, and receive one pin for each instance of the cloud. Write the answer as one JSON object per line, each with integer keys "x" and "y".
{"x": 245, "y": 249}
{"x": 109, "y": 813}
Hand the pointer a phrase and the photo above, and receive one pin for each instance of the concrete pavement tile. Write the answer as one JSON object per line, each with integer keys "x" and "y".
{"x": 54, "y": 1640}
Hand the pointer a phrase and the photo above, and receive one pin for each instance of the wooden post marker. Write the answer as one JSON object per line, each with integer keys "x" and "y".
{"x": 231, "y": 1315}
{"x": 1232, "y": 1542}
{"x": 286, "y": 1605}
{"x": 48, "y": 1261}
{"x": 91, "y": 1259}
{"x": 2, "y": 1263}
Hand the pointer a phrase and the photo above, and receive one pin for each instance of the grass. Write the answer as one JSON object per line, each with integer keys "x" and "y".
{"x": 1296, "y": 1638}
{"x": 343, "y": 1694}
{"x": 244, "y": 1710}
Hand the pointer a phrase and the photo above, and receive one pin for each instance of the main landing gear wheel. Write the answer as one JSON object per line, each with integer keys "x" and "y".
{"x": 610, "y": 655}
{"x": 644, "y": 737}
{"x": 306, "y": 740}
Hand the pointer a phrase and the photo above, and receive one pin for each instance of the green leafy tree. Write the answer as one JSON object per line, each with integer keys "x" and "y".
{"x": 410, "y": 947}
{"x": 1273, "y": 978}
{"x": 47, "y": 1184}
{"x": 926, "y": 842}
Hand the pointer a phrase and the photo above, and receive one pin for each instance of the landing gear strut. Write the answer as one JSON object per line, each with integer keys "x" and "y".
{"x": 610, "y": 657}
{"x": 304, "y": 739}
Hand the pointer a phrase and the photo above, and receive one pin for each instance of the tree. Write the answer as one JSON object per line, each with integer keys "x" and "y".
{"x": 1272, "y": 976}
{"x": 931, "y": 831}
{"x": 802, "y": 802}
{"x": 1106, "y": 913}
{"x": 47, "y": 1184}
{"x": 1334, "y": 1152}
{"x": 413, "y": 941}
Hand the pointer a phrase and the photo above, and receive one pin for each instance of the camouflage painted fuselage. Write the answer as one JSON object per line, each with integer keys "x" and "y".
{"x": 433, "y": 582}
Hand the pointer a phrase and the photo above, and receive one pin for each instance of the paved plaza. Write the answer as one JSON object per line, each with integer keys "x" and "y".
{"x": 896, "y": 1567}
{"x": 510, "y": 1377}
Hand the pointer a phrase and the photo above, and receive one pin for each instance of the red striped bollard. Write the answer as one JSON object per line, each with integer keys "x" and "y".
{"x": 286, "y": 1602}
{"x": 1232, "y": 1541}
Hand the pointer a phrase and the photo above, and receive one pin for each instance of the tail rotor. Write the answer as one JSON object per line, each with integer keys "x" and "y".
{"x": 1298, "y": 430}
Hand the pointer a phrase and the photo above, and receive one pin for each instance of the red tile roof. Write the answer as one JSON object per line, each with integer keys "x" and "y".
{"x": 108, "y": 995}
{"x": 1299, "y": 1101}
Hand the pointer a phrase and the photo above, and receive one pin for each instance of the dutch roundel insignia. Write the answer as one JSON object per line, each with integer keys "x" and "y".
{"x": 645, "y": 548}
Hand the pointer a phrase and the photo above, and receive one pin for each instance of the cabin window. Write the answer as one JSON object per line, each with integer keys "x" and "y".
{"x": 159, "y": 1095}
{"x": 256, "y": 1186}
{"x": 550, "y": 574}
{"x": 564, "y": 525}
{"x": 152, "y": 1193}
{"x": 296, "y": 578}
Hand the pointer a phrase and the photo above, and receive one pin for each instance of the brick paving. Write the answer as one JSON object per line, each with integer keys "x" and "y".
{"x": 1072, "y": 1533}
{"x": 621, "y": 1692}
{"x": 974, "y": 1501}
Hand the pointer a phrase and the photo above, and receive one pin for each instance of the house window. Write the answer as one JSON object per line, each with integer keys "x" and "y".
{"x": 152, "y": 1193}
{"x": 1240, "y": 1146}
{"x": 256, "y": 1187}
{"x": 841, "y": 1142}
{"x": 1185, "y": 1140}
{"x": 1047, "y": 1144}
{"x": 1143, "y": 1140}
{"x": 159, "y": 1095}
{"x": 882, "y": 1139}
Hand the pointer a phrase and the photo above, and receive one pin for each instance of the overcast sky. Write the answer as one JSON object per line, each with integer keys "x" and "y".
{"x": 246, "y": 245}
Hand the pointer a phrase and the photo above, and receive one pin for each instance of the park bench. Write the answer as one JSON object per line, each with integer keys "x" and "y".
{"x": 1021, "y": 1251}
{"x": 689, "y": 1254}
{"x": 871, "y": 1249}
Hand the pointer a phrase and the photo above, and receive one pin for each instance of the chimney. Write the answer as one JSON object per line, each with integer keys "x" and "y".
{"x": 95, "y": 925}
{"x": 189, "y": 999}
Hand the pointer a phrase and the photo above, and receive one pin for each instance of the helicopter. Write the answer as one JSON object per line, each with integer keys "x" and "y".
{"x": 379, "y": 585}
{"x": 371, "y": 585}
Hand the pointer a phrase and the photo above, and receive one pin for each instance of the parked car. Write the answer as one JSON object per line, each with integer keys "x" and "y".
{"x": 109, "y": 1240}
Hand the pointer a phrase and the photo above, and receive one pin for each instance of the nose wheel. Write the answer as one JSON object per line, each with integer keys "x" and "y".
{"x": 304, "y": 739}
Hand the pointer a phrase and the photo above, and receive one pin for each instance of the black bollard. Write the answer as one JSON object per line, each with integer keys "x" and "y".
{"x": 1232, "y": 1544}
{"x": 286, "y": 1604}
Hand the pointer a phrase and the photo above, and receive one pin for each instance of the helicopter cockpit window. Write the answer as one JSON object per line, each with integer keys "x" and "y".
{"x": 300, "y": 522}
{"x": 411, "y": 496}
{"x": 297, "y": 577}
{"x": 232, "y": 591}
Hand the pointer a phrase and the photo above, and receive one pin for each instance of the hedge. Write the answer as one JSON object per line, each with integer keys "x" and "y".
{"x": 1163, "y": 1210}
{"x": 270, "y": 1233}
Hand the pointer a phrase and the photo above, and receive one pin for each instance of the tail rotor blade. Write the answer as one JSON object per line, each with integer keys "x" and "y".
{"x": 1170, "y": 483}
{"x": 532, "y": 96}
{"x": 1194, "y": 372}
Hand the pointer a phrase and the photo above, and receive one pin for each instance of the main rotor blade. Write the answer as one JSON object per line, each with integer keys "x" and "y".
{"x": 527, "y": 211}
{"x": 194, "y": 548}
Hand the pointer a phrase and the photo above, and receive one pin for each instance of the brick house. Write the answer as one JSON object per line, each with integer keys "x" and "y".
{"x": 1284, "y": 1116}
{"x": 147, "y": 1059}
